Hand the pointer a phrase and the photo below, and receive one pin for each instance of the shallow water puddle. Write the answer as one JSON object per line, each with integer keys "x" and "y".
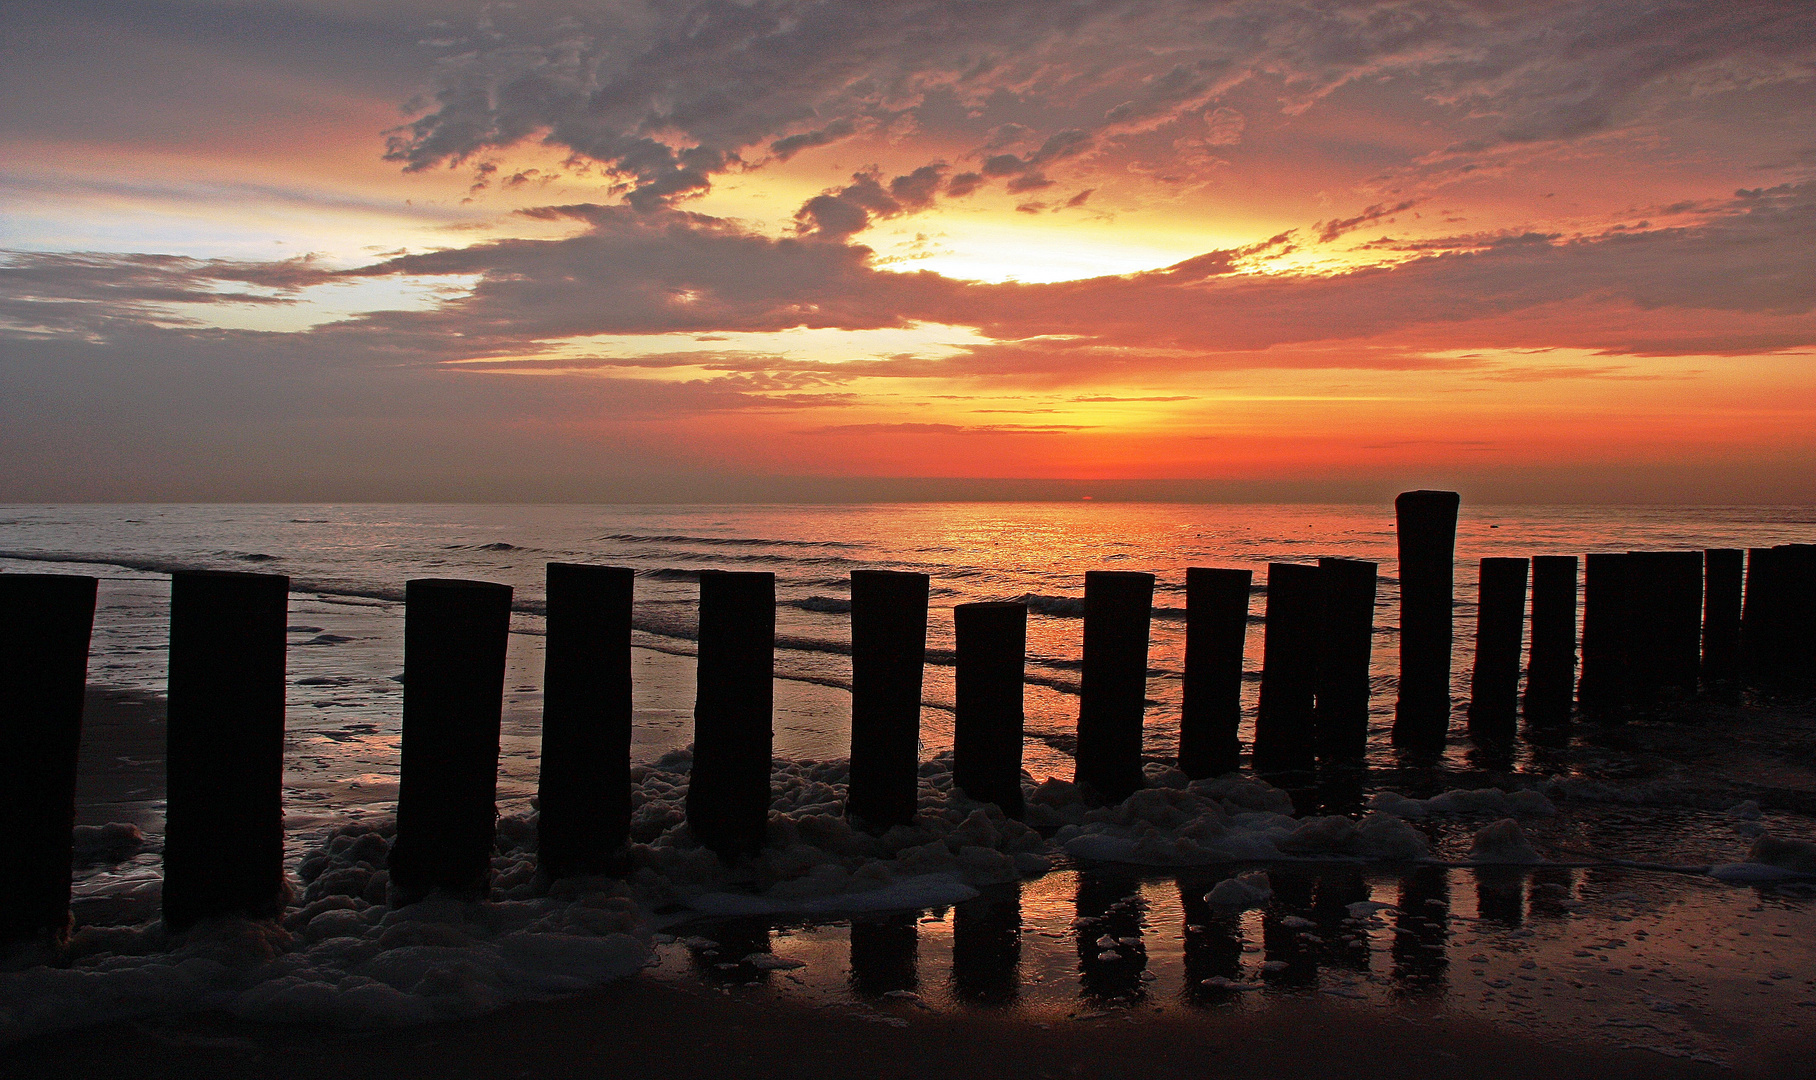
{"x": 1669, "y": 963}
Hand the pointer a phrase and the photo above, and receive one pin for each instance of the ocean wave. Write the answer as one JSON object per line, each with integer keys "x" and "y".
{"x": 725, "y": 541}
{"x": 677, "y": 624}
{"x": 760, "y": 558}
{"x": 827, "y": 605}
{"x": 1059, "y": 607}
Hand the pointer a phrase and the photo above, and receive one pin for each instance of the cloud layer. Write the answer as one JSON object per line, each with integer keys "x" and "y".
{"x": 1400, "y": 238}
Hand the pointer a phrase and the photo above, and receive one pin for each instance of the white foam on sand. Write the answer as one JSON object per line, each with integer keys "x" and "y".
{"x": 339, "y": 958}
{"x": 1503, "y": 842}
{"x": 1228, "y": 819}
{"x": 342, "y": 956}
{"x": 1241, "y": 892}
{"x": 814, "y": 858}
{"x": 1478, "y": 802}
{"x": 1771, "y": 859}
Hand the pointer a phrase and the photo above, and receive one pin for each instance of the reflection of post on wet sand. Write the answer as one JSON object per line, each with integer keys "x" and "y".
{"x": 1280, "y": 939}
{"x": 1553, "y": 890}
{"x": 986, "y": 949}
{"x": 883, "y": 953}
{"x": 1111, "y": 956}
{"x": 1335, "y": 889}
{"x": 732, "y": 941}
{"x": 1213, "y": 943}
{"x": 1320, "y": 896}
{"x": 1420, "y": 930}
{"x": 1501, "y": 894}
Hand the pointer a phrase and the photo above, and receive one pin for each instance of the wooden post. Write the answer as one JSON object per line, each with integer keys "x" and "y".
{"x": 1346, "y": 641}
{"x": 1285, "y": 728}
{"x": 1754, "y": 612}
{"x": 1664, "y": 621}
{"x": 1682, "y": 572}
{"x": 224, "y": 749}
{"x": 888, "y": 650}
{"x": 455, "y": 634}
{"x": 991, "y": 642}
{"x": 1724, "y": 574}
{"x": 584, "y": 790}
{"x": 1427, "y": 529}
{"x": 45, "y": 621}
{"x": 1551, "y": 672}
{"x": 1495, "y": 680}
{"x": 1797, "y": 615}
{"x": 1603, "y": 684}
{"x": 1113, "y": 691}
{"x": 1647, "y": 635}
{"x": 728, "y": 789}
{"x": 1216, "y": 627}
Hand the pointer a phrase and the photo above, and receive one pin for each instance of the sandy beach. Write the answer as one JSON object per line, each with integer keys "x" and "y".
{"x": 1421, "y": 995}
{"x": 644, "y": 1027}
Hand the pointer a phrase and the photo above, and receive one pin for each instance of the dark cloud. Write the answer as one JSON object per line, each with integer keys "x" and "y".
{"x": 790, "y": 145}
{"x": 668, "y": 95}
{"x": 838, "y": 213}
{"x": 947, "y": 429}
{"x": 1330, "y": 230}
{"x": 1738, "y": 281}
{"x": 87, "y": 292}
{"x": 1028, "y": 181}
{"x": 964, "y": 184}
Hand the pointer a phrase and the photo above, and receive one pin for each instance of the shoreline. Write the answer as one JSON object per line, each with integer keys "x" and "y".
{"x": 1673, "y": 760}
{"x": 640, "y": 1025}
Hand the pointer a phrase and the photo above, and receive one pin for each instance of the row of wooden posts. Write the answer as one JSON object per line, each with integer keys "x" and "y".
{"x": 1650, "y": 622}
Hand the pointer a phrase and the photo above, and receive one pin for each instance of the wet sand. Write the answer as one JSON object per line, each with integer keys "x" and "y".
{"x": 120, "y": 766}
{"x": 707, "y": 1023}
{"x": 645, "y": 1028}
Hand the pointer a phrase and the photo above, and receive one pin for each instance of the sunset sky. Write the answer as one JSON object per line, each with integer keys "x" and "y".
{"x": 311, "y": 249}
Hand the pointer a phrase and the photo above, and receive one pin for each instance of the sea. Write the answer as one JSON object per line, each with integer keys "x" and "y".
{"x": 348, "y": 564}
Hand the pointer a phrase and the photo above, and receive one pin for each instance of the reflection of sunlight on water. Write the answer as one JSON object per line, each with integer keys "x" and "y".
{"x": 348, "y": 643}
{"x": 1674, "y": 964}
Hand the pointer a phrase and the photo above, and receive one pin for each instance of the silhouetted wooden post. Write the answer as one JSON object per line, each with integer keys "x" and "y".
{"x": 992, "y": 645}
{"x": 888, "y": 650}
{"x": 1664, "y": 621}
{"x": 455, "y": 634}
{"x": 1427, "y": 528}
{"x": 1797, "y": 614}
{"x": 1113, "y": 691}
{"x": 728, "y": 789}
{"x": 45, "y": 621}
{"x": 1216, "y": 627}
{"x": 224, "y": 756}
{"x": 584, "y": 790}
{"x": 1760, "y": 612}
{"x": 1495, "y": 680}
{"x": 1722, "y": 590}
{"x": 1551, "y": 670}
{"x": 1346, "y": 640}
{"x": 1647, "y": 634}
{"x": 1603, "y": 683}
{"x": 1682, "y": 572}
{"x": 1285, "y": 728}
